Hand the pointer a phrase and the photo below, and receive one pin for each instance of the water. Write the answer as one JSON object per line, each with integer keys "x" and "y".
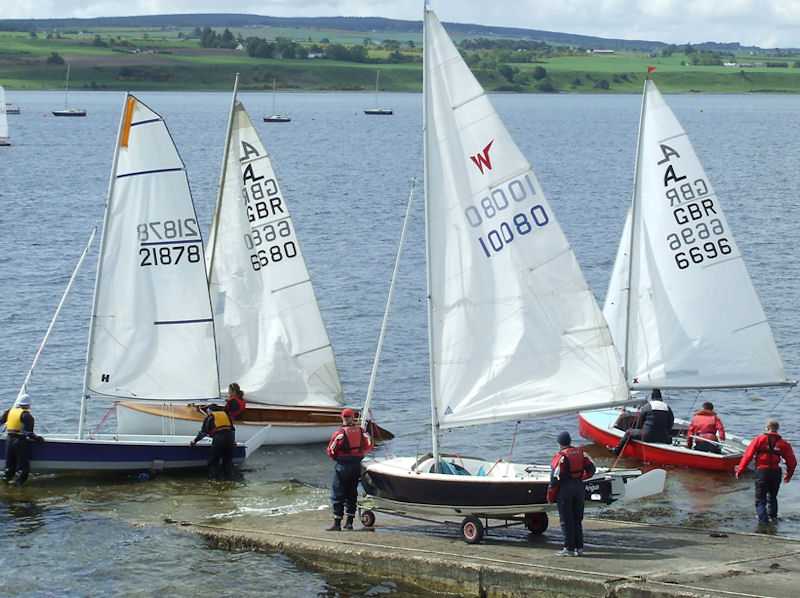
{"x": 347, "y": 178}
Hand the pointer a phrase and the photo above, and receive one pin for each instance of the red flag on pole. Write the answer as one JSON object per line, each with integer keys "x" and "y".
{"x": 650, "y": 69}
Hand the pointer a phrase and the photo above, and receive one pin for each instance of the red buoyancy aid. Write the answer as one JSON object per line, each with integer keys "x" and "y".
{"x": 222, "y": 422}
{"x": 354, "y": 442}
{"x": 235, "y": 406}
{"x": 573, "y": 462}
{"x": 766, "y": 453}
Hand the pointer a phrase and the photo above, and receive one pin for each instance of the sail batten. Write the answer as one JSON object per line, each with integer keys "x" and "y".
{"x": 680, "y": 302}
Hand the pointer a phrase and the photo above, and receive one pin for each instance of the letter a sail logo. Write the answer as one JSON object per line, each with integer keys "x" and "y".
{"x": 482, "y": 159}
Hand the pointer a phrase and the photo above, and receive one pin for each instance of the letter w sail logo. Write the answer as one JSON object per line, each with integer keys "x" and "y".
{"x": 482, "y": 159}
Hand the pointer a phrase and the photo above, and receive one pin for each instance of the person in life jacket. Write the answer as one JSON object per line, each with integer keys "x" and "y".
{"x": 219, "y": 425}
{"x": 768, "y": 449}
{"x": 706, "y": 426}
{"x": 19, "y": 425}
{"x": 347, "y": 447}
{"x": 570, "y": 466}
{"x": 654, "y": 423}
{"x": 235, "y": 405}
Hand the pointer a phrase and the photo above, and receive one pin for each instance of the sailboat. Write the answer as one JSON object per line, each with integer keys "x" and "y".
{"x": 270, "y": 336}
{"x": 3, "y": 119}
{"x": 378, "y": 111}
{"x": 274, "y": 117}
{"x": 514, "y": 331}
{"x": 151, "y": 334}
{"x": 67, "y": 111}
{"x": 680, "y": 303}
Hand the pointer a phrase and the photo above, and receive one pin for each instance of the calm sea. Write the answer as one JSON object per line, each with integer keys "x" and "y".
{"x": 347, "y": 178}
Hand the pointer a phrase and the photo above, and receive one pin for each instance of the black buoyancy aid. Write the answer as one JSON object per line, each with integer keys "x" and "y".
{"x": 573, "y": 459}
{"x": 14, "y": 420}
{"x": 352, "y": 435}
{"x": 222, "y": 422}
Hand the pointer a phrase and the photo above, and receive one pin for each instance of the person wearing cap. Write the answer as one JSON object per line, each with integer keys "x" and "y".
{"x": 653, "y": 423}
{"x": 570, "y": 466}
{"x": 219, "y": 425}
{"x": 706, "y": 431}
{"x": 347, "y": 447}
{"x": 768, "y": 449}
{"x": 19, "y": 425}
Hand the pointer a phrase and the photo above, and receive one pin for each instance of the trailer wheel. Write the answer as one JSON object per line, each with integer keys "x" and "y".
{"x": 472, "y": 530}
{"x": 536, "y": 522}
{"x": 367, "y": 518}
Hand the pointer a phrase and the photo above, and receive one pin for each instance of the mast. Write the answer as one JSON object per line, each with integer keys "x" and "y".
{"x": 426, "y": 162}
{"x": 634, "y": 232}
{"x": 122, "y": 138}
{"x": 66, "y": 88}
{"x": 212, "y": 237}
{"x": 374, "y": 373}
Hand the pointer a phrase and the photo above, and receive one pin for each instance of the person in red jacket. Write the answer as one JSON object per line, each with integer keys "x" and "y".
{"x": 347, "y": 447}
{"x": 768, "y": 450}
{"x": 706, "y": 426}
{"x": 569, "y": 468}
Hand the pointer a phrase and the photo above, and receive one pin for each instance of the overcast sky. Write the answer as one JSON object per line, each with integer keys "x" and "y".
{"x": 764, "y": 23}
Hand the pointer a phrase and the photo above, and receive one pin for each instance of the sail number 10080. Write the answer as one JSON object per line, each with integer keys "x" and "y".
{"x": 495, "y": 204}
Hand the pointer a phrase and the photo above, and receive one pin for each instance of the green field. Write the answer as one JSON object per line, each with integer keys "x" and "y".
{"x": 167, "y": 58}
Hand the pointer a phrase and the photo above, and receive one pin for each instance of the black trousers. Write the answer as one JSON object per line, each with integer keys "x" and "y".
{"x": 17, "y": 458}
{"x": 222, "y": 445}
{"x": 344, "y": 488}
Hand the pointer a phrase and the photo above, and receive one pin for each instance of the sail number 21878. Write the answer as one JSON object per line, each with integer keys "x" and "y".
{"x": 168, "y": 242}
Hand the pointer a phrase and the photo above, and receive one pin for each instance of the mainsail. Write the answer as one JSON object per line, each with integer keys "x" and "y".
{"x": 271, "y": 338}
{"x": 152, "y": 335}
{"x": 514, "y": 328}
{"x": 680, "y": 303}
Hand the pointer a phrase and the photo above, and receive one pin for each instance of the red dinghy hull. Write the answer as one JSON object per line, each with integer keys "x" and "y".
{"x": 598, "y": 427}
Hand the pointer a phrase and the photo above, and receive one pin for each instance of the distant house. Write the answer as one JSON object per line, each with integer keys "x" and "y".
{"x": 601, "y": 51}
{"x": 316, "y": 55}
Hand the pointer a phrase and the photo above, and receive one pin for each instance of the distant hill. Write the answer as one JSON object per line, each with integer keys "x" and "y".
{"x": 367, "y": 25}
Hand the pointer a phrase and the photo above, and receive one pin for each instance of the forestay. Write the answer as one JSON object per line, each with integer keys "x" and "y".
{"x": 694, "y": 320}
{"x": 270, "y": 335}
{"x": 515, "y": 330}
{"x": 152, "y": 335}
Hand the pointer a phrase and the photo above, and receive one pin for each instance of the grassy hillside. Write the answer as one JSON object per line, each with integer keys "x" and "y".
{"x": 163, "y": 58}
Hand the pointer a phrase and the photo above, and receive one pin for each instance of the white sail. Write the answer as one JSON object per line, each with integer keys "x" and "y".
{"x": 515, "y": 330}
{"x": 270, "y": 335}
{"x": 694, "y": 320}
{"x": 152, "y": 335}
{"x": 3, "y": 116}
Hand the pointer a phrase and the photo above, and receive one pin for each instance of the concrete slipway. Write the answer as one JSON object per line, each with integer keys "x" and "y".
{"x": 622, "y": 559}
